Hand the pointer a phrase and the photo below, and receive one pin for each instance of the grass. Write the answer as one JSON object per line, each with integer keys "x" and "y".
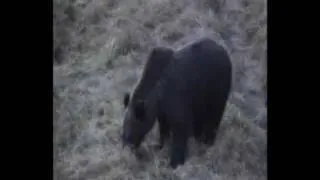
{"x": 100, "y": 48}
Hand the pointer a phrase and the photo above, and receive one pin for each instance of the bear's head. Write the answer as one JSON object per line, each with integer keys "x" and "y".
{"x": 137, "y": 122}
{"x": 140, "y": 107}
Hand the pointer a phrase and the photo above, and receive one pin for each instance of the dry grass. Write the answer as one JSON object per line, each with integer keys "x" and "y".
{"x": 100, "y": 48}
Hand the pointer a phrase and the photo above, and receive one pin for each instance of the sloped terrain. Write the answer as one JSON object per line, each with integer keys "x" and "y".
{"x": 100, "y": 49}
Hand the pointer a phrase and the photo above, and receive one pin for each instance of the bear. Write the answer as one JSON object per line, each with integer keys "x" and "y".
{"x": 188, "y": 99}
{"x": 157, "y": 60}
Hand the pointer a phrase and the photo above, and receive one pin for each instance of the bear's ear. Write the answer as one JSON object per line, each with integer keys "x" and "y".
{"x": 126, "y": 99}
{"x": 139, "y": 109}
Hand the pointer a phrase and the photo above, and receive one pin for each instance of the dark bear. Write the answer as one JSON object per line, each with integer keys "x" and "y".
{"x": 158, "y": 59}
{"x": 188, "y": 99}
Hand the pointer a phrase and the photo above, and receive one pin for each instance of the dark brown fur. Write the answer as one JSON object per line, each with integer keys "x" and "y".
{"x": 188, "y": 99}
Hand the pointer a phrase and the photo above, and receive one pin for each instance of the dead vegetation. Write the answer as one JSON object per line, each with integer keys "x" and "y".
{"x": 100, "y": 47}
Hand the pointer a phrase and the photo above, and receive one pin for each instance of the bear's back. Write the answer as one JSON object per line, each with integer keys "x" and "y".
{"x": 200, "y": 67}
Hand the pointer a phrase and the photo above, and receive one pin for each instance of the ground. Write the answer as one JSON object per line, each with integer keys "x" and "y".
{"x": 100, "y": 49}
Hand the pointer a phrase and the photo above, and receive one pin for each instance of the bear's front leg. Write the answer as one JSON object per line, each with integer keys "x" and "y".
{"x": 179, "y": 117}
{"x": 179, "y": 147}
{"x": 164, "y": 130}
